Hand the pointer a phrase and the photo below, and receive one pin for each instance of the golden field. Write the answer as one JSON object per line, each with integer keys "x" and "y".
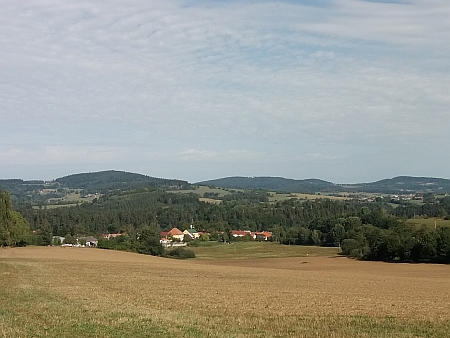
{"x": 62, "y": 292}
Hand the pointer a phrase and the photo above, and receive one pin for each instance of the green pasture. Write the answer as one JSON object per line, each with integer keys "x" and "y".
{"x": 242, "y": 250}
{"x": 70, "y": 199}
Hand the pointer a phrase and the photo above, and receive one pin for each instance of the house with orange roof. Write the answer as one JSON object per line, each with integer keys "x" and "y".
{"x": 261, "y": 235}
{"x": 240, "y": 233}
{"x": 176, "y": 234}
{"x": 257, "y": 235}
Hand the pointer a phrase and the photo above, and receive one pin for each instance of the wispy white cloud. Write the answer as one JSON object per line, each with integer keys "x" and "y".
{"x": 57, "y": 155}
{"x": 231, "y": 156}
{"x": 276, "y": 80}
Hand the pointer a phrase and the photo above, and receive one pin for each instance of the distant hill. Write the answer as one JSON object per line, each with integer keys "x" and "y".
{"x": 104, "y": 181}
{"x": 404, "y": 184}
{"x": 274, "y": 184}
{"x": 397, "y": 185}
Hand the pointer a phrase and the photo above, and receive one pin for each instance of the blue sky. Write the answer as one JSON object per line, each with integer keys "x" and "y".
{"x": 342, "y": 90}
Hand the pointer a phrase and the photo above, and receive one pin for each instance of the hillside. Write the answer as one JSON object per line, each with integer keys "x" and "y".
{"x": 397, "y": 185}
{"x": 104, "y": 181}
{"x": 273, "y": 184}
{"x": 404, "y": 184}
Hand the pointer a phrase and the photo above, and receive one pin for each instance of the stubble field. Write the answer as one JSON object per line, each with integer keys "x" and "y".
{"x": 62, "y": 292}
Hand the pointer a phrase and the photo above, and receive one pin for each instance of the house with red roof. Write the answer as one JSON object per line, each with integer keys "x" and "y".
{"x": 258, "y": 235}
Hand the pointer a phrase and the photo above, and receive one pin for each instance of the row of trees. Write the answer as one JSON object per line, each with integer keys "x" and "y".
{"x": 146, "y": 241}
{"x": 400, "y": 243}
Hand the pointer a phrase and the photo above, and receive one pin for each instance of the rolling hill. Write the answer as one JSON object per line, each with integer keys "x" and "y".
{"x": 104, "y": 181}
{"x": 396, "y": 185}
{"x": 274, "y": 184}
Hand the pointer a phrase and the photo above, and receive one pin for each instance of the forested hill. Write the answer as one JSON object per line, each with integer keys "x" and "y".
{"x": 104, "y": 181}
{"x": 404, "y": 184}
{"x": 274, "y": 184}
{"x": 397, "y": 185}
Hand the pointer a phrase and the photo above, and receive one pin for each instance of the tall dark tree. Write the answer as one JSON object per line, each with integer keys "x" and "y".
{"x": 14, "y": 229}
{"x": 149, "y": 241}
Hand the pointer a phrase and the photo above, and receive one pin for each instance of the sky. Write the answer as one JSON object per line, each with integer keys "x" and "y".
{"x": 346, "y": 91}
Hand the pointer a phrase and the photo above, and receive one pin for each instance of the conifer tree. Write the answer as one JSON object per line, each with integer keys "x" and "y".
{"x": 14, "y": 229}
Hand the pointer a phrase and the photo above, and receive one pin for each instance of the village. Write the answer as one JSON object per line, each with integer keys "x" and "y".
{"x": 176, "y": 237}
{"x": 173, "y": 238}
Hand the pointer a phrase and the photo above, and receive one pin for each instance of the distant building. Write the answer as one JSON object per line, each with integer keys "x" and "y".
{"x": 109, "y": 236}
{"x": 91, "y": 242}
{"x": 194, "y": 234}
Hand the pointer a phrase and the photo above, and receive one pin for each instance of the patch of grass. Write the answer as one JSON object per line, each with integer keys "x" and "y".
{"x": 70, "y": 199}
{"x": 200, "y": 190}
{"x": 242, "y": 250}
{"x": 429, "y": 222}
{"x": 209, "y": 200}
{"x": 276, "y": 197}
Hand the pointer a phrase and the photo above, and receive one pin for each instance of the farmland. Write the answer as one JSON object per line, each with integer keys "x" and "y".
{"x": 429, "y": 222}
{"x": 242, "y": 250}
{"x": 273, "y": 196}
{"x": 70, "y": 198}
{"x": 59, "y": 292}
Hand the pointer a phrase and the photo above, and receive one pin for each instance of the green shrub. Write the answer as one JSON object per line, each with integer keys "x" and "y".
{"x": 181, "y": 253}
{"x": 194, "y": 243}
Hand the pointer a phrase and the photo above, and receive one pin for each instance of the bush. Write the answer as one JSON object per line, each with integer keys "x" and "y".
{"x": 195, "y": 243}
{"x": 181, "y": 253}
{"x": 349, "y": 245}
{"x": 356, "y": 253}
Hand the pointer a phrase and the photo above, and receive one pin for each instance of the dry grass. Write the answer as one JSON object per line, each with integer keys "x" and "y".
{"x": 429, "y": 222}
{"x": 209, "y": 200}
{"x": 200, "y": 190}
{"x": 275, "y": 197}
{"x": 245, "y": 250}
{"x": 60, "y": 292}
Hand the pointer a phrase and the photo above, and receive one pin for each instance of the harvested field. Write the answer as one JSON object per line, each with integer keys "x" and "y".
{"x": 57, "y": 292}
